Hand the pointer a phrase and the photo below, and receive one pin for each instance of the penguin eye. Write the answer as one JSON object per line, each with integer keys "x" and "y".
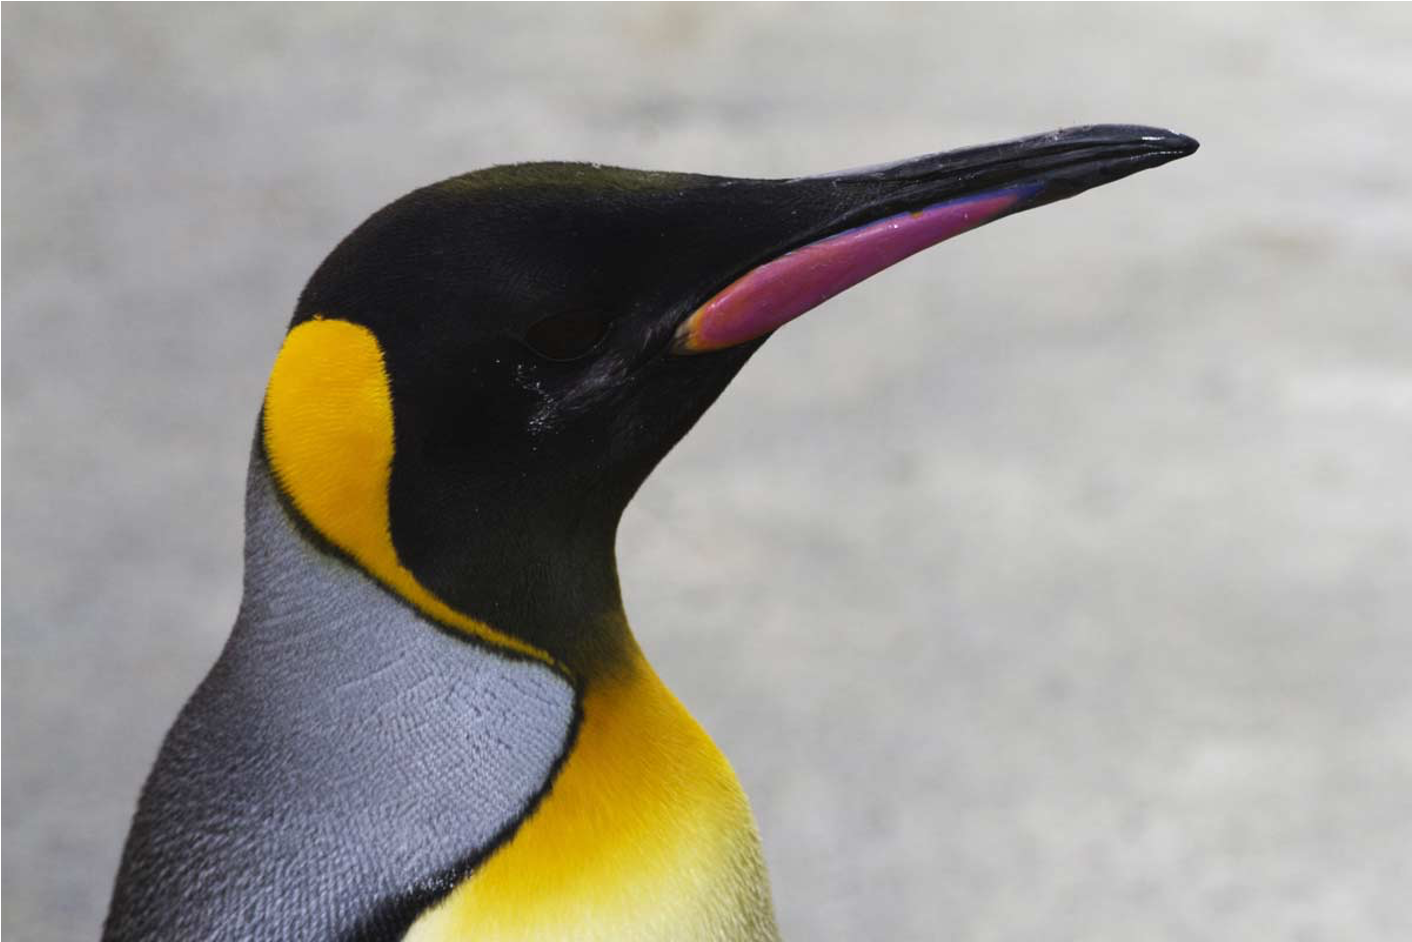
{"x": 568, "y": 336}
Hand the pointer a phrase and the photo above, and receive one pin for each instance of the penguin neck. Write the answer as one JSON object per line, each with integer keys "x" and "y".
{"x": 511, "y": 579}
{"x": 551, "y": 582}
{"x": 642, "y": 824}
{"x": 646, "y": 831}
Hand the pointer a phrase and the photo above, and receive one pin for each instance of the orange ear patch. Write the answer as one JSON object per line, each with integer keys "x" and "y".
{"x": 329, "y": 436}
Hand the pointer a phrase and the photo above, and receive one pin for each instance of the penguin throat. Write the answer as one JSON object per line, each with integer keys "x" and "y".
{"x": 551, "y": 585}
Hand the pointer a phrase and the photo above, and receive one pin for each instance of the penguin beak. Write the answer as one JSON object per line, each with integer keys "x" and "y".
{"x": 888, "y": 213}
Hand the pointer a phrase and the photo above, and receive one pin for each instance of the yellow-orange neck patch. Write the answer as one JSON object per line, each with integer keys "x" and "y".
{"x": 329, "y": 439}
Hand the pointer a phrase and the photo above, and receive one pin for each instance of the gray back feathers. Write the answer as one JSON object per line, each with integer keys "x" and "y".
{"x": 340, "y": 765}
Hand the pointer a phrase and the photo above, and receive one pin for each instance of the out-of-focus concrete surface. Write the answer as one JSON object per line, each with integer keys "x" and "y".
{"x": 1056, "y": 584}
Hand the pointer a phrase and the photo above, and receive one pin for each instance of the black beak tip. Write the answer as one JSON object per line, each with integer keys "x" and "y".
{"x": 1182, "y": 145}
{"x": 1073, "y": 160}
{"x": 1140, "y": 135}
{"x": 1133, "y": 138}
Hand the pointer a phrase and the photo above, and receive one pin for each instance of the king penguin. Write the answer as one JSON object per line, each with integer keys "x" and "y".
{"x": 431, "y": 720}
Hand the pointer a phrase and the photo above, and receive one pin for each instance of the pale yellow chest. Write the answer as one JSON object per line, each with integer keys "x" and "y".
{"x": 645, "y": 834}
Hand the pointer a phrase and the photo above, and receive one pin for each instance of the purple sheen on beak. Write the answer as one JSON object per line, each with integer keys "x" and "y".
{"x": 775, "y": 293}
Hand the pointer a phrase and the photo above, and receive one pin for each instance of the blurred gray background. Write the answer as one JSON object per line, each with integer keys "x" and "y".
{"x": 1056, "y": 584}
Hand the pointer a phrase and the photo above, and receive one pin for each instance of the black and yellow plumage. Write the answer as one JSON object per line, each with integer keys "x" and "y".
{"x": 431, "y": 720}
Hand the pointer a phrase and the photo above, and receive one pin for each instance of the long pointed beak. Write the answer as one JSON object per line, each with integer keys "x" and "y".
{"x": 890, "y": 212}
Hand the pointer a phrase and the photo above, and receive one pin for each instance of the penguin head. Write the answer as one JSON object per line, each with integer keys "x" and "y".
{"x": 481, "y": 375}
{"x": 525, "y": 316}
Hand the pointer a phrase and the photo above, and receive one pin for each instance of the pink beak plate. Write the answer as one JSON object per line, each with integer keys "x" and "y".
{"x": 775, "y": 293}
